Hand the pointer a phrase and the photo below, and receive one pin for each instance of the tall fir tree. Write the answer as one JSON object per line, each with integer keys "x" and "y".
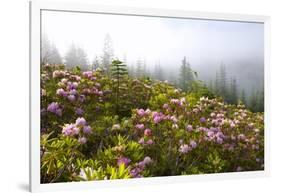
{"x": 108, "y": 53}
{"x": 260, "y": 102}
{"x": 55, "y": 57}
{"x": 217, "y": 86}
{"x": 158, "y": 72}
{"x": 144, "y": 69}
{"x": 223, "y": 81}
{"x": 186, "y": 76}
{"x": 243, "y": 97}
{"x": 95, "y": 63}
{"x": 253, "y": 101}
{"x": 233, "y": 95}
{"x": 76, "y": 56}
{"x": 49, "y": 52}
{"x": 119, "y": 73}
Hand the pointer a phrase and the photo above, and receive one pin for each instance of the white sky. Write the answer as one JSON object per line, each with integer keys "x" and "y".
{"x": 157, "y": 39}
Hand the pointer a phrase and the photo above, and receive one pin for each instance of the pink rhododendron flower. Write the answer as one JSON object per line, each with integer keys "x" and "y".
{"x": 141, "y": 112}
{"x": 135, "y": 173}
{"x": 165, "y": 106}
{"x": 219, "y": 140}
{"x": 241, "y": 137}
{"x": 73, "y": 92}
{"x": 174, "y": 119}
{"x": 54, "y": 108}
{"x": 147, "y": 132}
{"x": 193, "y": 144}
{"x": 64, "y": 80}
{"x": 100, "y": 93}
{"x": 214, "y": 129}
{"x": 82, "y": 140}
{"x": 157, "y": 119}
{"x": 87, "y": 130}
{"x": 80, "y": 121}
{"x": 202, "y": 119}
{"x": 147, "y": 111}
{"x": 232, "y": 125}
{"x": 184, "y": 148}
{"x": 67, "y": 129}
{"x": 175, "y": 101}
{"x": 189, "y": 128}
{"x": 147, "y": 160}
{"x": 141, "y": 141}
{"x": 140, "y": 126}
{"x": 58, "y": 73}
{"x": 59, "y": 112}
{"x": 149, "y": 142}
{"x": 88, "y": 74}
{"x": 75, "y": 130}
{"x": 61, "y": 92}
{"x": 210, "y": 133}
{"x": 123, "y": 160}
{"x": 77, "y": 78}
{"x": 71, "y": 98}
{"x": 72, "y": 85}
{"x": 70, "y": 130}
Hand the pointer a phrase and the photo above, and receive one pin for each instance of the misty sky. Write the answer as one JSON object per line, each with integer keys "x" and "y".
{"x": 205, "y": 43}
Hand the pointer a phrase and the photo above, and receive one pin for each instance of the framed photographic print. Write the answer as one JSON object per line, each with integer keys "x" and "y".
{"x": 123, "y": 96}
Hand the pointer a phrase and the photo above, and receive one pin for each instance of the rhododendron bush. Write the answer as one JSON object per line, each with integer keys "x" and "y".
{"x": 93, "y": 130}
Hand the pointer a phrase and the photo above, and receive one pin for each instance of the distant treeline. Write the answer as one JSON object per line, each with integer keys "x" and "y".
{"x": 186, "y": 79}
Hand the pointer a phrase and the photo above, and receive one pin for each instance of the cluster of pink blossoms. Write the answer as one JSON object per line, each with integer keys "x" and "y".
{"x": 123, "y": 160}
{"x": 142, "y": 113}
{"x": 136, "y": 171}
{"x": 54, "y": 107}
{"x": 179, "y": 102}
{"x": 146, "y": 141}
{"x": 142, "y": 129}
{"x": 185, "y": 148}
{"x": 157, "y": 117}
{"x": 74, "y": 129}
{"x": 89, "y": 75}
{"x": 96, "y": 88}
{"x": 59, "y": 73}
{"x": 214, "y": 134}
{"x": 69, "y": 90}
{"x": 72, "y": 89}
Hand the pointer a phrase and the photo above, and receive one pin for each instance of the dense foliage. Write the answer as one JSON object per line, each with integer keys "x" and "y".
{"x": 97, "y": 126}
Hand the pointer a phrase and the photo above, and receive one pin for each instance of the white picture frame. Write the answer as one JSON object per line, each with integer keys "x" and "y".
{"x": 35, "y": 26}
